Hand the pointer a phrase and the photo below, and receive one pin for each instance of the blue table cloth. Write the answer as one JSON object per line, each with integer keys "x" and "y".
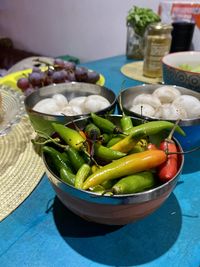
{"x": 42, "y": 232}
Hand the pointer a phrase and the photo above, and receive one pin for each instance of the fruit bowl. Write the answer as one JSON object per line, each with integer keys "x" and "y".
{"x": 12, "y": 78}
{"x": 111, "y": 209}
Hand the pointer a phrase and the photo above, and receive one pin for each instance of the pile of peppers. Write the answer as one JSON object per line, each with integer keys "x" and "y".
{"x": 114, "y": 160}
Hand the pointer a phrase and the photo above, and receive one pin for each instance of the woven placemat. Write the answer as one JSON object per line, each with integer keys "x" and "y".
{"x": 134, "y": 71}
{"x": 21, "y": 167}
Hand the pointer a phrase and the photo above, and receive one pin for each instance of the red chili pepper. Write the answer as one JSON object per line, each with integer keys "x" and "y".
{"x": 168, "y": 169}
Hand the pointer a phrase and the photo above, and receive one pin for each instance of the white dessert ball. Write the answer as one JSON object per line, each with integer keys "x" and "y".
{"x": 149, "y": 99}
{"x": 166, "y": 94}
{"x": 143, "y": 109}
{"x": 190, "y": 103}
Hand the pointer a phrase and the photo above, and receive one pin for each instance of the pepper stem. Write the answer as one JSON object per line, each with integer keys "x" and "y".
{"x": 184, "y": 152}
{"x": 173, "y": 130}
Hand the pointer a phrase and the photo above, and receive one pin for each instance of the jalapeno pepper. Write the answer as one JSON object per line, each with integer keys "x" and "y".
{"x": 114, "y": 141}
{"x": 67, "y": 176}
{"x": 70, "y": 136}
{"x": 106, "y": 153}
{"x": 154, "y": 127}
{"x": 134, "y": 183}
{"x": 81, "y": 175}
{"x": 125, "y": 166}
{"x": 104, "y": 124}
{"x": 126, "y": 123}
{"x": 76, "y": 160}
{"x": 105, "y": 138}
{"x": 92, "y": 131}
{"x": 57, "y": 158}
{"x": 146, "y": 129}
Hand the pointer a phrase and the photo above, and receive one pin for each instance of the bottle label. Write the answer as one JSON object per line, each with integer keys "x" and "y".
{"x": 156, "y": 54}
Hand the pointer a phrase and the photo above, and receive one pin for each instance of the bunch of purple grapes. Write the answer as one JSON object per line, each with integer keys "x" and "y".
{"x": 60, "y": 71}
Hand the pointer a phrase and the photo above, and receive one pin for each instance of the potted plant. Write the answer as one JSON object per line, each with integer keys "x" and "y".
{"x": 137, "y": 20}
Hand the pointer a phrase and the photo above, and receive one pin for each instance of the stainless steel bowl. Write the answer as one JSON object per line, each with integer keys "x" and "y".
{"x": 190, "y": 126}
{"x": 43, "y": 121}
{"x": 116, "y": 210}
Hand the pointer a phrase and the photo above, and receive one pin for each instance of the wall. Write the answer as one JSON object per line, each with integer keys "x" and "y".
{"x": 86, "y": 29}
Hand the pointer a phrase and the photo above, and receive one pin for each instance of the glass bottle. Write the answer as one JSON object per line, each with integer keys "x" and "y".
{"x": 157, "y": 44}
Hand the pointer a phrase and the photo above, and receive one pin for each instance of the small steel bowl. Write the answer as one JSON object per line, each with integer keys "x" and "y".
{"x": 190, "y": 126}
{"x": 112, "y": 210}
{"x": 42, "y": 121}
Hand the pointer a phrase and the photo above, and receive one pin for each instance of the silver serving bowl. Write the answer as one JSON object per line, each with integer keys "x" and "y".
{"x": 42, "y": 121}
{"x": 113, "y": 210}
{"x": 190, "y": 126}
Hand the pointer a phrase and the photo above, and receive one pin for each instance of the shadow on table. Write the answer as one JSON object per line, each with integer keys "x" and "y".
{"x": 192, "y": 162}
{"x": 132, "y": 244}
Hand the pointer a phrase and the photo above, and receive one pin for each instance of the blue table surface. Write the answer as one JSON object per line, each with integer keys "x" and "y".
{"x": 42, "y": 232}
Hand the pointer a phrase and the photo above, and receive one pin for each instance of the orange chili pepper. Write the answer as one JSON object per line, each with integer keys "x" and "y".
{"x": 127, "y": 165}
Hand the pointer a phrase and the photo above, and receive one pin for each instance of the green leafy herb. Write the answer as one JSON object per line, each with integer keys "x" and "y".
{"x": 139, "y": 18}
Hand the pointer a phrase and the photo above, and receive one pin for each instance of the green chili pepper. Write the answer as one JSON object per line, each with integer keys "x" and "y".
{"x": 75, "y": 158}
{"x": 126, "y": 123}
{"x": 57, "y": 158}
{"x": 106, "y": 153}
{"x": 66, "y": 158}
{"x": 108, "y": 184}
{"x": 70, "y": 136}
{"x": 114, "y": 140}
{"x": 104, "y": 124}
{"x": 92, "y": 131}
{"x": 105, "y": 138}
{"x": 145, "y": 129}
{"x": 81, "y": 175}
{"x": 134, "y": 183}
{"x": 67, "y": 176}
{"x": 154, "y": 127}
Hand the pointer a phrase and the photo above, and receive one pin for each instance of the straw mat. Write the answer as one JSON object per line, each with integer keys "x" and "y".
{"x": 134, "y": 71}
{"x": 21, "y": 168}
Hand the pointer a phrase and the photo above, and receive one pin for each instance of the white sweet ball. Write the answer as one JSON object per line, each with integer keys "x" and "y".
{"x": 190, "y": 103}
{"x": 77, "y": 101}
{"x": 71, "y": 110}
{"x": 143, "y": 109}
{"x": 47, "y": 105}
{"x": 171, "y": 112}
{"x": 60, "y": 99}
{"x": 149, "y": 99}
{"x": 166, "y": 94}
{"x": 94, "y": 103}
